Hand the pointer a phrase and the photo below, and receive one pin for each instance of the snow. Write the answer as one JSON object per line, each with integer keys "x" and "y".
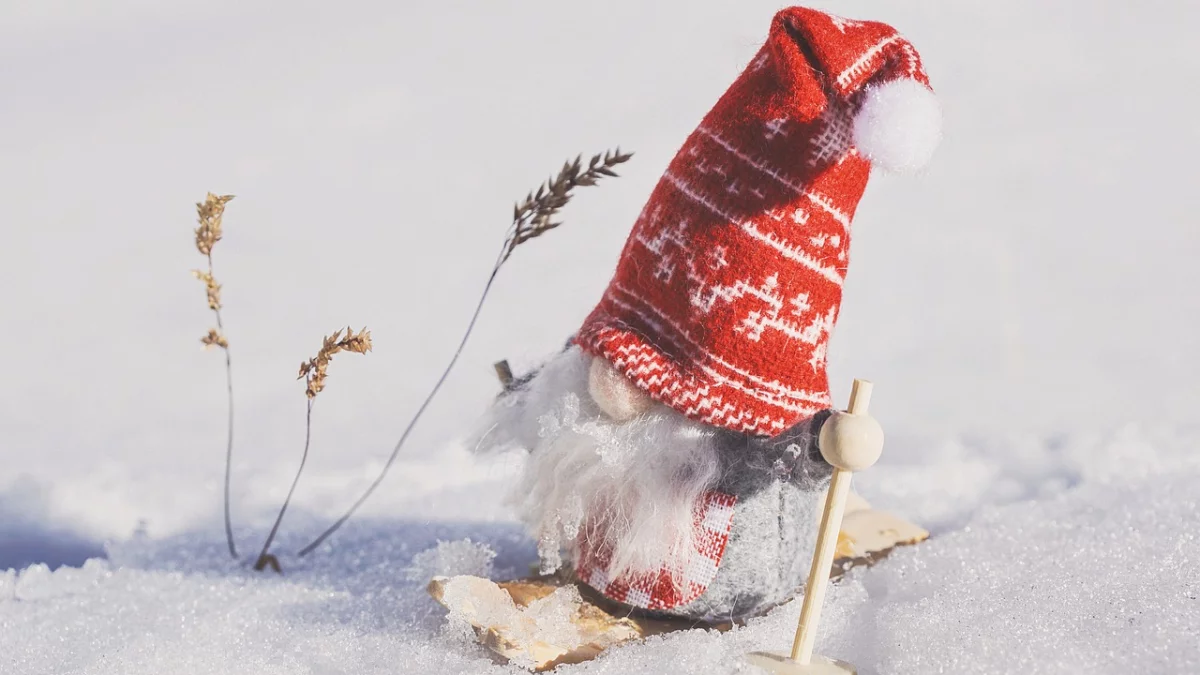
{"x": 1026, "y": 307}
{"x": 452, "y": 558}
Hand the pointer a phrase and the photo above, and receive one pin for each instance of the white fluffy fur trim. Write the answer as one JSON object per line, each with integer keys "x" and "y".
{"x": 628, "y": 486}
{"x": 899, "y": 125}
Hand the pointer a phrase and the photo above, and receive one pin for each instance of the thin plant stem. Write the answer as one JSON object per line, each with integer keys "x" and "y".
{"x": 420, "y": 411}
{"x": 209, "y": 214}
{"x": 263, "y": 558}
{"x": 228, "y": 451}
{"x": 229, "y": 428}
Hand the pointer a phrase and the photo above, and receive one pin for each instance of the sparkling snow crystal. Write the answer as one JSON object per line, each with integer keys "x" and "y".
{"x": 451, "y": 558}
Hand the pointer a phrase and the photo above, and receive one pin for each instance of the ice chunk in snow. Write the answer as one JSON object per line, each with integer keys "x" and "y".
{"x": 474, "y": 602}
{"x": 451, "y": 558}
{"x": 551, "y": 617}
{"x": 539, "y": 632}
{"x": 546, "y": 619}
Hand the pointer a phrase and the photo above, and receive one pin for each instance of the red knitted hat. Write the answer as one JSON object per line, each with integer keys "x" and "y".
{"x": 729, "y": 285}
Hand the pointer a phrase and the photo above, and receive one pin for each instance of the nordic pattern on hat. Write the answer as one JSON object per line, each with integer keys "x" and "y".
{"x": 729, "y": 286}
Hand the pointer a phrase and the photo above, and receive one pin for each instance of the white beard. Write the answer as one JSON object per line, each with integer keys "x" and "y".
{"x": 628, "y": 487}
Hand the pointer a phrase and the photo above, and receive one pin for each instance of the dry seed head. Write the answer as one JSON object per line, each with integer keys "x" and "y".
{"x": 317, "y": 368}
{"x": 214, "y": 339}
{"x": 210, "y": 212}
{"x": 535, "y": 216}
{"x": 212, "y": 288}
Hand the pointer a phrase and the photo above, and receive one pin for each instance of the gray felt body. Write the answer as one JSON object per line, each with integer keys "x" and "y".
{"x": 767, "y": 558}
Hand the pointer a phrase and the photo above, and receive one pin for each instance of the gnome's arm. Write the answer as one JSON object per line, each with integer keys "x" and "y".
{"x": 795, "y": 454}
{"x": 750, "y": 463}
{"x": 792, "y": 456}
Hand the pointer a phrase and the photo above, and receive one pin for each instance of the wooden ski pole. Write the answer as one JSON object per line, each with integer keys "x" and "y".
{"x": 850, "y": 441}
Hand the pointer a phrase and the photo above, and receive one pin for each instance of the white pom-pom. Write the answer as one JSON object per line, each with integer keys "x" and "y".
{"x": 899, "y": 125}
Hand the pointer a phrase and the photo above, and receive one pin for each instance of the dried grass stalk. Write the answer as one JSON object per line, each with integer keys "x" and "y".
{"x": 210, "y": 214}
{"x": 313, "y": 371}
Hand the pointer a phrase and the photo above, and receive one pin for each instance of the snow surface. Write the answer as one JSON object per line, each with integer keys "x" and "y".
{"x": 1027, "y": 307}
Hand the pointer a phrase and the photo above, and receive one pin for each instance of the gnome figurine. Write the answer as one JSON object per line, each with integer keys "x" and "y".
{"x": 673, "y": 456}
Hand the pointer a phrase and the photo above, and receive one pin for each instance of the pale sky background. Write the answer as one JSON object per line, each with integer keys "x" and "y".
{"x": 1040, "y": 275}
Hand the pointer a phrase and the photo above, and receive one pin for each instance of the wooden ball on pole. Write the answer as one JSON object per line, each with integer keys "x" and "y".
{"x": 850, "y": 441}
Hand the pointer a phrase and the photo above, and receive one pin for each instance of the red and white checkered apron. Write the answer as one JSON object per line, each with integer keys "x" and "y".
{"x": 672, "y": 585}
